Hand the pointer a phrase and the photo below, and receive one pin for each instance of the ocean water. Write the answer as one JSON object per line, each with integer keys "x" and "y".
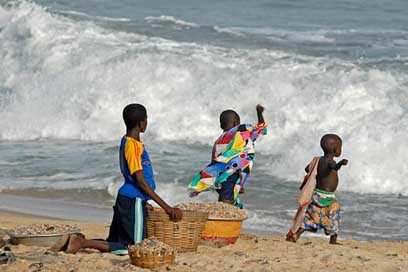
{"x": 69, "y": 67}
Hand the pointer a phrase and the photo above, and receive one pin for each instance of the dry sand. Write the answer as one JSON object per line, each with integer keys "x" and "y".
{"x": 250, "y": 253}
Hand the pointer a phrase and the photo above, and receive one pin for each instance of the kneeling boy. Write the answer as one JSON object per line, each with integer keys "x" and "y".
{"x": 129, "y": 213}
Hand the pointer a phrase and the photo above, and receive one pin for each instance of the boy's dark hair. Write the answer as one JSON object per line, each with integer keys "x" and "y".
{"x": 133, "y": 114}
{"x": 329, "y": 141}
{"x": 227, "y": 117}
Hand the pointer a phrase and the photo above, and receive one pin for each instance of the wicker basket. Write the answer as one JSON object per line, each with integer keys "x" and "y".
{"x": 151, "y": 260}
{"x": 184, "y": 235}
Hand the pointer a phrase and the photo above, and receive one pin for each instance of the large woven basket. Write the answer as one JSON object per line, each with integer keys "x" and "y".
{"x": 151, "y": 260}
{"x": 184, "y": 235}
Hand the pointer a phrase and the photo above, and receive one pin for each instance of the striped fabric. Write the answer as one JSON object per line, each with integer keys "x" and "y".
{"x": 138, "y": 231}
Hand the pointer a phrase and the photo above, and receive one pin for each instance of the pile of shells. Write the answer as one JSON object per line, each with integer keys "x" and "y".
{"x": 150, "y": 247}
{"x": 36, "y": 229}
{"x": 215, "y": 210}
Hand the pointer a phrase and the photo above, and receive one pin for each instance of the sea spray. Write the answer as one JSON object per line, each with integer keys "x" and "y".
{"x": 65, "y": 79}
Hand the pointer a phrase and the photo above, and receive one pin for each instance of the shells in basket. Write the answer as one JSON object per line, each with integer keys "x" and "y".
{"x": 38, "y": 229}
{"x": 151, "y": 246}
{"x": 215, "y": 210}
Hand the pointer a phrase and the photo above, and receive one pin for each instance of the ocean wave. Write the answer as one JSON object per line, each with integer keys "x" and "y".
{"x": 320, "y": 36}
{"x": 166, "y": 20}
{"x": 257, "y": 221}
{"x": 92, "y": 17}
{"x": 59, "y": 182}
{"x": 228, "y": 30}
{"x": 70, "y": 80}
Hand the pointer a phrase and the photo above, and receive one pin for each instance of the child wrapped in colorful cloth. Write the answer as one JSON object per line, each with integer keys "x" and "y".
{"x": 232, "y": 158}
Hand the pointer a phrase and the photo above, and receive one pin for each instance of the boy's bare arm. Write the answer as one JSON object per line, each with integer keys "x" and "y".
{"x": 175, "y": 214}
{"x": 259, "y": 110}
{"x": 336, "y": 166}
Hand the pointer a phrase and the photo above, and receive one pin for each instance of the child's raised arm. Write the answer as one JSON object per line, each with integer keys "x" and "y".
{"x": 261, "y": 127}
{"x": 259, "y": 110}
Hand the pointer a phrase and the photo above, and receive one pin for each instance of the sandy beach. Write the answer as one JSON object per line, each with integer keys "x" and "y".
{"x": 69, "y": 68}
{"x": 250, "y": 253}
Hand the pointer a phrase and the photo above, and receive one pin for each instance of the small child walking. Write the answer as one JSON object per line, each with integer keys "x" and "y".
{"x": 319, "y": 208}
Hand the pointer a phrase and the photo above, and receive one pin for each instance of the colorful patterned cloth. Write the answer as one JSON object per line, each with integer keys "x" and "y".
{"x": 232, "y": 152}
{"x": 323, "y": 198}
{"x": 323, "y": 213}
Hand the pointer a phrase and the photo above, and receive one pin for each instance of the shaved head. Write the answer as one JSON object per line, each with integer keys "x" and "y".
{"x": 229, "y": 119}
{"x": 330, "y": 143}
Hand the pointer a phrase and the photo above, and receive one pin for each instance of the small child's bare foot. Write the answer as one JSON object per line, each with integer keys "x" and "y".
{"x": 74, "y": 244}
{"x": 333, "y": 240}
{"x": 335, "y": 243}
{"x": 291, "y": 239}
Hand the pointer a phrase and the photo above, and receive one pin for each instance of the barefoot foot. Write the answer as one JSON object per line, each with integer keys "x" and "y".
{"x": 61, "y": 245}
{"x": 333, "y": 240}
{"x": 335, "y": 243}
{"x": 292, "y": 238}
{"x": 74, "y": 244}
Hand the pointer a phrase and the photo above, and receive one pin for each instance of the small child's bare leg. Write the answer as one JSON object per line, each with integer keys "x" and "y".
{"x": 299, "y": 233}
{"x": 333, "y": 240}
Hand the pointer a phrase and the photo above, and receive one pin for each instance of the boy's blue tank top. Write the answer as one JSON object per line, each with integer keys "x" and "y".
{"x": 130, "y": 187}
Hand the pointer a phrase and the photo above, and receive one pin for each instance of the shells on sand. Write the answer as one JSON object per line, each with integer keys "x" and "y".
{"x": 37, "y": 229}
{"x": 215, "y": 210}
{"x": 150, "y": 247}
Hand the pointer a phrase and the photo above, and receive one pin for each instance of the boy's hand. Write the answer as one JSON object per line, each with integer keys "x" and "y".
{"x": 149, "y": 207}
{"x": 344, "y": 162}
{"x": 175, "y": 214}
{"x": 260, "y": 108}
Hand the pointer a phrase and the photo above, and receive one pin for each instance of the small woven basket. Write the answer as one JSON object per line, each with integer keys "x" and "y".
{"x": 151, "y": 260}
{"x": 184, "y": 235}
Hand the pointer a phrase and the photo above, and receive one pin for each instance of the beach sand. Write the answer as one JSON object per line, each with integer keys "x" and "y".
{"x": 250, "y": 253}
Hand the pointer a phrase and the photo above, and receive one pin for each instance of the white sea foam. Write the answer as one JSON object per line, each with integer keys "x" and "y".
{"x": 93, "y": 17}
{"x": 320, "y": 36}
{"x": 60, "y": 181}
{"x": 268, "y": 223}
{"x": 228, "y": 30}
{"x": 166, "y": 19}
{"x": 310, "y": 37}
{"x": 70, "y": 80}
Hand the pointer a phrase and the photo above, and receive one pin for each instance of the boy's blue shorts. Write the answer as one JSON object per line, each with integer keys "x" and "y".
{"x": 227, "y": 188}
{"x": 128, "y": 224}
